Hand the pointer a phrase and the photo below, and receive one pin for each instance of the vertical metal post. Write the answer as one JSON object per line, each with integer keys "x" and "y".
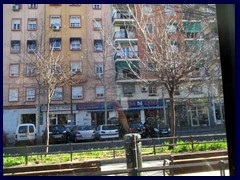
{"x": 133, "y": 153}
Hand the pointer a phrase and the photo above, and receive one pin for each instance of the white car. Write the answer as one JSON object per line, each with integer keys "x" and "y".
{"x": 107, "y": 131}
{"x": 26, "y": 133}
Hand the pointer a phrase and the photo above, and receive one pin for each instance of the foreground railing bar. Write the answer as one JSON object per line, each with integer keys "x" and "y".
{"x": 146, "y": 169}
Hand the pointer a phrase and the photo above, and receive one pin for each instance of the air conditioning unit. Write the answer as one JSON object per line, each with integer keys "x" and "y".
{"x": 55, "y": 27}
{"x": 15, "y": 7}
{"x": 144, "y": 89}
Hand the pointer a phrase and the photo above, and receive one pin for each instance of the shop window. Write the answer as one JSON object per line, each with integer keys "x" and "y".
{"x": 28, "y": 118}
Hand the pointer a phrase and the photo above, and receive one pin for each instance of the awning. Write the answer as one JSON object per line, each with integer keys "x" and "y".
{"x": 192, "y": 26}
{"x": 99, "y": 110}
{"x": 127, "y": 65}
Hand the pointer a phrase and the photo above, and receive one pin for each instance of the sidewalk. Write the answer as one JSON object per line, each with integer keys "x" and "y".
{"x": 153, "y": 163}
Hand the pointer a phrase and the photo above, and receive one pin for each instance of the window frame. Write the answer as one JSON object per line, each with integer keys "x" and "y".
{"x": 10, "y": 70}
{"x": 31, "y": 51}
{"x": 17, "y": 96}
{"x": 58, "y": 48}
{"x": 11, "y": 49}
{"x": 53, "y": 98}
{"x": 78, "y": 96}
{"x": 75, "y": 39}
{"x": 94, "y": 6}
{"x": 70, "y": 23}
{"x": 34, "y": 7}
{"x": 31, "y": 19}
{"x": 31, "y": 99}
{"x": 95, "y": 43}
{"x": 97, "y": 20}
{"x": 71, "y": 63}
{"x": 52, "y": 24}
{"x": 29, "y": 68}
{"x": 20, "y": 24}
{"x": 101, "y": 94}
{"x": 99, "y": 69}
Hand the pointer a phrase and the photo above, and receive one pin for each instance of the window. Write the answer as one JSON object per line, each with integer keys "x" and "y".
{"x": 148, "y": 28}
{"x": 75, "y": 43}
{"x": 97, "y": 24}
{"x": 16, "y": 7}
{"x": 58, "y": 94}
{"x": 55, "y": 43}
{"x": 99, "y": 69}
{"x": 75, "y": 4}
{"x": 98, "y": 45}
{"x": 97, "y": 6}
{"x": 75, "y": 21}
{"x": 13, "y": 94}
{"x": 172, "y": 27}
{"x": 197, "y": 90}
{"x": 152, "y": 90}
{"x": 169, "y": 9}
{"x": 31, "y": 45}
{"x": 128, "y": 89}
{"x": 147, "y": 9}
{"x": 150, "y": 47}
{"x": 14, "y": 70}
{"x": 30, "y": 94}
{"x": 77, "y": 92}
{"x": 32, "y": 24}
{"x": 76, "y": 67}
{"x": 174, "y": 46}
{"x": 16, "y": 24}
{"x": 30, "y": 70}
{"x": 15, "y": 46}
{"x": 99, "y": 91}
{"x": 55, "y": 21}
{"x": 32, "y": 6}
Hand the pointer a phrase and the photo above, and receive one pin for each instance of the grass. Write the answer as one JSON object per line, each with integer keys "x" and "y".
{"x": 182, "y": 146}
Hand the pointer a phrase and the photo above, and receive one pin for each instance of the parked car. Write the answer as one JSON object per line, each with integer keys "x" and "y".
{"x": 57, "y": 133}
{"x": 78, "y": 133}
{"x": 4, "y": 138}
{"x": 136, "y": 127}
{"x": 26, "y": 133}
{"x": 153, "y": 130}
{"x": 107, "y": 131}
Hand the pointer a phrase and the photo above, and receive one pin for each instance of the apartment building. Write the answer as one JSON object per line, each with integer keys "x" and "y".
{"x": 105, "y": 48}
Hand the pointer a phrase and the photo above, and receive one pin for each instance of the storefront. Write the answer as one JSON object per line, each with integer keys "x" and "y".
{"x": 139, "y": 110}
{"x": 94, "y": 113}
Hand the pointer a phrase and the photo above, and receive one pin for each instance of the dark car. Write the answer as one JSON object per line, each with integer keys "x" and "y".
{"x": 57, "y": 133}
{"x": 153, "y": 130}
{"x": 136, "y": 127}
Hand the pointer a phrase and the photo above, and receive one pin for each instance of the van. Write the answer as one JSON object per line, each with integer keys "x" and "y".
{"x": 26, "y": 133}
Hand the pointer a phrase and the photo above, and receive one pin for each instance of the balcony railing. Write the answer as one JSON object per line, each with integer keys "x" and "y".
{"x": 126, "y": 55}
{"x": 124, "y": 35}
{"x": 122, "y": 16}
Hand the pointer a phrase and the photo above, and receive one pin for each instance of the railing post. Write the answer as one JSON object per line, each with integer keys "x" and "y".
{"x": 191, "y": 138}
{"x": 133, "y": 153}
{"x": 26, "y": 156}
{"x": 222, "y": 168}
{"x": 154, "y": 146}
{"x": 71, "y": 152}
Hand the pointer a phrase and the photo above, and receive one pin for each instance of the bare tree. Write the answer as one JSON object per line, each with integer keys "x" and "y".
{"x": 51, "y": 69}
{"x": 167, "y": 59}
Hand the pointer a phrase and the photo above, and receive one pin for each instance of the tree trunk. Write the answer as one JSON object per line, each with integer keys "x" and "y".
{"x": 47, "y": 122}
{"x": 172, "y": 119}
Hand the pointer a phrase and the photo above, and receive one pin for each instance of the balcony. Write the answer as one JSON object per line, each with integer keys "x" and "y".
{"x": 122, "y": 17}
{"x": 125, "y": 36}
{"x": 130, "y": 55}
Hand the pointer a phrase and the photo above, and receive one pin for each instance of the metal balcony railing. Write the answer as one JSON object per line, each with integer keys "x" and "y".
{"x": 126, "y": 55}
{"x": 124, "y": 35}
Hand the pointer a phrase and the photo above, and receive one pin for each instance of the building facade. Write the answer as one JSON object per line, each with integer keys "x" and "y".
{"x": 106, "y": 49}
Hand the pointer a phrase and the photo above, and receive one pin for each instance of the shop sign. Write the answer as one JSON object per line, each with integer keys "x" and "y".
{"x": 140, "y": 103}
{"x": 57, "y": 108}
{"x": 82, "y": 106}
